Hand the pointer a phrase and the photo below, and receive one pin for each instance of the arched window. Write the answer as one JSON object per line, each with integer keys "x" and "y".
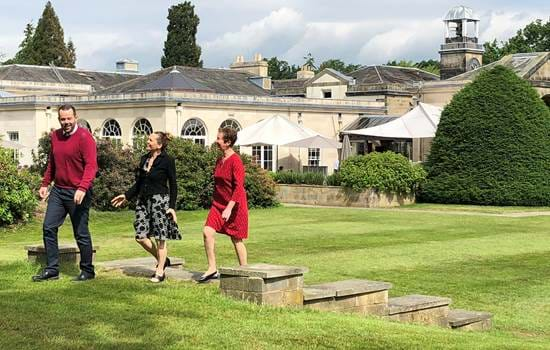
{"x": 111, "y": 130}
{"x": 231, "y": 123}
{"x": 142, "y": 127}
{"x": 195, "y": 130}
{"x": 83, "y": 123}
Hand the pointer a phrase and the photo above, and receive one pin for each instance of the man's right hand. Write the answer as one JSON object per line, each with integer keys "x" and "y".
{"x": 118, "y": 200}
{"x": 43, "y": 192}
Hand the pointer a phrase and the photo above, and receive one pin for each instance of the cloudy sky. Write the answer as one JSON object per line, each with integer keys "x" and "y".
{"x": 356, "y": 31}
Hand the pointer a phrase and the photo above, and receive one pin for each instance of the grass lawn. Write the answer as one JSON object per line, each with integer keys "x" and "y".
{"x": 495, "y": 264}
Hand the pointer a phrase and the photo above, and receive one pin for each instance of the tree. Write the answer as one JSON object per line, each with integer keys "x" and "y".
{"x": 279, "y": 69}
{"x": 71, "y": 54}
{"x": 310, "y": 61}
{"x": 180, "y": 47}
{"x": 492, "y": 145}
{"x": 23, "y": 56}
{"x": 339, "y": 65}
{"x": 48, "y": 42}
{"x": 534, "y": 37}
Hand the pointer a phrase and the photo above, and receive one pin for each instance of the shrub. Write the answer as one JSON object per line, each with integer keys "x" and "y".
{"x": 388, "y": 171}
{"x": 17, "y": 200}
{"x": 334, "y": 179}
{"x": 40, "y": 158}
{"x": 116, "y": 172}
{"x": 260, "y": 187}
{"x": 291, "y": 177}
{"x": 492, "y": 145}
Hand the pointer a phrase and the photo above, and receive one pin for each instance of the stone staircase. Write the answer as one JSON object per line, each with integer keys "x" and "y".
{"x": 277, "y": 285}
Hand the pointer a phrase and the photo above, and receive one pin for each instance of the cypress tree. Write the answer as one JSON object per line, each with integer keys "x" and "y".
{"x": 71, "y": 54}
{"x": 180, "y": 47}
{"x": 23, "y": 56}
{"x": 492, "y": 145}
{"x": 48, "y": 43}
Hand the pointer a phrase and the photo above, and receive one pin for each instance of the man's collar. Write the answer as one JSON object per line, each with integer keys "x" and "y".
{"x": 72, "y": 132}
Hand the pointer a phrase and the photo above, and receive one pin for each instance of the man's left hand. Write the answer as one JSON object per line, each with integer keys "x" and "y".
{"x": 79, "y": 197}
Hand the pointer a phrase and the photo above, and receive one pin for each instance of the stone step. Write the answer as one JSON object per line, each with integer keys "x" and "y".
{"x": 68, "y": 253}
{"x": 355, "y": 296}
{"x": 423, "y": 309}
{"x": 136, "y": 262}
{"x": 470, "y": 320}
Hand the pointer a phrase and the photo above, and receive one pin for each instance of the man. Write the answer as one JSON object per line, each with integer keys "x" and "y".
{"x": 72, "y": 165}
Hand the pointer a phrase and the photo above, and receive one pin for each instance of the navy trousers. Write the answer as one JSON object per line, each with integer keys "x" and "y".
{"x": 61, "y": 203}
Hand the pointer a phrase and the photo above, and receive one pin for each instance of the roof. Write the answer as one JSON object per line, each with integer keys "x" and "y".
{"x": 289, "y": 87}
{"x": 220, "y": 81}
{"x": 46, "y": 74}
{"x": 460, "y": 13}
{"x": 175, "y": 81}
{"x": 382, "y": 74}
{"x": 366, "y": 121}
{"x": 523, "y": 64}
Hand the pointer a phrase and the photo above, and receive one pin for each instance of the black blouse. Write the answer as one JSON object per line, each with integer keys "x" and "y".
{"x": 162, "y": 172}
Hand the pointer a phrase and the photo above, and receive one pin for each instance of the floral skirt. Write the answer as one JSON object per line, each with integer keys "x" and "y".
{"x": 152, "y": 220}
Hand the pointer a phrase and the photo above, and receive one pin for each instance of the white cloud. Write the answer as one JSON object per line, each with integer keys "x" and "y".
{"x": 269, "y": 35}
{"x": 503, "y": 25}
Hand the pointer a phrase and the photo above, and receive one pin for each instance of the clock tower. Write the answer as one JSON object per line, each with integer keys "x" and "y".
{"x": 461, "y": 52}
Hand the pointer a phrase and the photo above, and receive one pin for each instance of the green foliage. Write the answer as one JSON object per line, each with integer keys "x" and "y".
{"x": 279, "y": 69}
{"x": 117, "y": 165}
{"x": 180, "y": 47}
{"x": 40, "y": 158}
{"x": 387, "y": 172}
{"x": 534, "y": 37}
{"x": 17, "y": 200}
{"x": 291, "y": 177}
{"x": 24, "y": 53}
{"x": 492, "y": 146}
{"x": 339, "y": 65}
{"x": 260, "y": 187}
{"x": 431, "y": 65}
{"x": 334, "y": 179}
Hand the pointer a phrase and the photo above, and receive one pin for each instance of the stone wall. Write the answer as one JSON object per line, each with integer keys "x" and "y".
{"x": 339, "y": 197}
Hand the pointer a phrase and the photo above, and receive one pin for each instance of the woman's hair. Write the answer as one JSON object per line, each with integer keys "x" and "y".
{"x": 229, "y": 135}
{"x": 163, "y": 138}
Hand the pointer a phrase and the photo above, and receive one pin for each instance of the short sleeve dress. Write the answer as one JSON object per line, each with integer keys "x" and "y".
{"x": 229, "y": 186}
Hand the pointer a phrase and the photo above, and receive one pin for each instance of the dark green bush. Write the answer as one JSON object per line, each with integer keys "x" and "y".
{"x": 194, "y": 169}
{"x": 334, "y": 179}
{"x": 492, "y": 145}
{"x": 291, "y": 177}
{"x": 388, "y": 172}
{"x": 116, "y": 172}
{"x": 17, "y": 199}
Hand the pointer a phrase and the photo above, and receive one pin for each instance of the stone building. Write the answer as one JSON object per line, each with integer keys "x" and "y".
{"x": 194, "y": 102}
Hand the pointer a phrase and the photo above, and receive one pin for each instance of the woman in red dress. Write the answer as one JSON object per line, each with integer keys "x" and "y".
{"x": 229, "y": 211}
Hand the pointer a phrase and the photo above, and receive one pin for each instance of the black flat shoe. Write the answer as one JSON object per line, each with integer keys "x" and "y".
{"x": 167, "y": 263}
{"x": 83, "y": 277}
{"x": 205, "y": 278}
{"x": 157, "y": 279}
{"x": 45, "y": 276}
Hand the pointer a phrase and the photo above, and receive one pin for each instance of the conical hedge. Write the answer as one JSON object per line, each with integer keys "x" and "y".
{"x": 492, "y": 145}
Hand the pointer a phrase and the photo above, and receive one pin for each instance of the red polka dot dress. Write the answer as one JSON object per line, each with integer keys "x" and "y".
{"x": 229, "y": 186}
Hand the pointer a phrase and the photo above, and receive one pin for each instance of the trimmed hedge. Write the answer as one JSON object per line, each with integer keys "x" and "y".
{"x": 492, "y": 145}
{"x": 387, "y": 172}
{"x": 291, "y": 177}
{"x": 17, "y": 197}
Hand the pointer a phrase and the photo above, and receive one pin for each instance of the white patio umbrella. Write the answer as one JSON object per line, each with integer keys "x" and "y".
{"x": 316, "y": 141}
{"x": 419, "y": 122}
{"x": 276, "y": 130}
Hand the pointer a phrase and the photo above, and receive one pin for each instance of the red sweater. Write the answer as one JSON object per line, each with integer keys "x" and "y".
{"x": 73, "y": 160}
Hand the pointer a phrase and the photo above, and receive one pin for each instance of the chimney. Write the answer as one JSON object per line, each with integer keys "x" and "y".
{"x": 257, "y": 66}
{"x": 305, "y": 72}
{"x": 127, "y": 66}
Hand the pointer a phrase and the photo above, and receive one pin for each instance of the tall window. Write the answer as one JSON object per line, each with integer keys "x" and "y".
{"x": 111, "y": 130}
{"x": 313, "y": 156}
{"x": 142, "y": 128}
{"x": 13, "y": 136}
{"x": 263, "y": 156}
{"x": 194, "y": 130}
{"x": 231, "y": 123}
